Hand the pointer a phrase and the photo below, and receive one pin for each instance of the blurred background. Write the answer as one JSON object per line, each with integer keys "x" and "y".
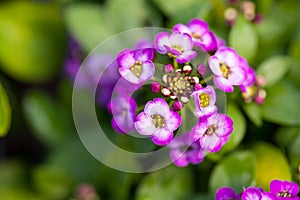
{"x": 42, "y": 44}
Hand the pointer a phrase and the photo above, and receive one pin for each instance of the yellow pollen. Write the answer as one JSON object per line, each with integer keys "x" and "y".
{"x": 204, "y": 100}
{"x": 177, "y": 47}
{"x": 195, "y": 35}
{"x": 210, "y": 130}
{"x": 158, "y": 121}
{"x": 137, "y": 68}
{"x": 225, "y": 70}
{"x": 284, "y": 193}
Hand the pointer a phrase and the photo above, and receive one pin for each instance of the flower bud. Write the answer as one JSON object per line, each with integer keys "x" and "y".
{"x": 168, "y": 68}
{"x": 177, "y": 105}
{"x": 155, "y": 87}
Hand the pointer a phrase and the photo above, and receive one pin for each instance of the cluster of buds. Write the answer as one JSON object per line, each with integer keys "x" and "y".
{"x": 256, "y": 93}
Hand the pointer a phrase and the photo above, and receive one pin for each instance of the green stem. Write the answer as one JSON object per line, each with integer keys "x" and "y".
{"x": 175, "y": 64}
{"x": 207, "y": 79}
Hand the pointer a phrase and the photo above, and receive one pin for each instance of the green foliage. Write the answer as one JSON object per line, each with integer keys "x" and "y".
{"x": 254, "y": 113}
{"x": 5, "y": 110}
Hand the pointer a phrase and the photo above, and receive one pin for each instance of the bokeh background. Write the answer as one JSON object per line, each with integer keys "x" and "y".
{"x": 42, "y": 44}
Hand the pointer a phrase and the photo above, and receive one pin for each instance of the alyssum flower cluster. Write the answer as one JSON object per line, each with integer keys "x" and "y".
{"x": 279, "y": 190}
{"x": 181, "y": 80}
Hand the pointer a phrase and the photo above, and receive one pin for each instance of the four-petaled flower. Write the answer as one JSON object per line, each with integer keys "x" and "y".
{"x": 200, "y": 34}
{"x": 177, "y": 45}
{"x": 211, "y": 131}
{"x": 183, "y": 151}
{"x": 158, "y": 121}
{"x": 136, "y": 66}
{"x": 226, "y": 68}
{"x": 284, "y": 190}
{"x": 205, "y": 99}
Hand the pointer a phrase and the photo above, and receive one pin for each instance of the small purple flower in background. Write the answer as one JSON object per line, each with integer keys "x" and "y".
{"x": 177, "y": 45}
{"x": 205, "y": 99}
{"x": 250, "y": 74}
{"x": 136, "y": 66}
{"x": 226, "y": 193}
{"x": 158, "y": 121}
{"x": 183, "y": 151}
{"x": 211, "y": 130}
{"x": 251, "y": 194}
{"x": 123, "y": 110}
{"x": 226, "y": 68}
{"x": 200, "y": 34}
{"x": 284, "y": 190}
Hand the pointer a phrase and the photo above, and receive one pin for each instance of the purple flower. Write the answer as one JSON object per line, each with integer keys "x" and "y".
{"x": 226, "y": 68}
{"x": 200, "y": 34}
{"x": 267, "y": 196}
{"x": 212, "y": 131}
{"x": 158, "y": 121}
{"x": 250, "y": 74}
{"x": 177, "y": 45}
{"x": 284, "y": 189}
{"x": 252, "y": 194}
{"x": 123, "y": 111}
{"x": 183, "y": 151}
{"x": 226, "y": 193}
{"x": 136, "y": 65}
{"x": 205, "y": 99}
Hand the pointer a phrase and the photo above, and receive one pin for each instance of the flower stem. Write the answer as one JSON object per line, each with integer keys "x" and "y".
{"x": 207, "y": 79}
{"x": 175, "y": 64}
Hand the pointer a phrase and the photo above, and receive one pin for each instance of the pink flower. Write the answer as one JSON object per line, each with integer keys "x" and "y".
{"x": 200, "y": 34}
{"x": 226, "y": 67}
{"x": 158, "y": 121}
{"x": 212, "y": 131}
{"x": 177, "y": 45}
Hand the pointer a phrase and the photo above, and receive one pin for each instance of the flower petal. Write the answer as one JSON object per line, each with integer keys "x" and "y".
{"x": 161, "y": 40}
{"x": 162, "y": 137}
{"x": 186, "y": 56}
{"x": 179, "y": 158}
{"x": 173, "y": 120}
{"x": 144, "y": 125}
{"x": 181, "y": 28}
{"x": 143, "y": 54}
{"x": 214, "y": 65}
{"x": 197, "y": 26}
{"x": 128, "y": 75}
{"x": 229, "y": 56}
{"x": 157, "y": 106}
{"x": 225, "y": 193}
{"x": 148, "y": 70}
{"x": 198, "y": 131}
{"x": 209, "y": 42}
{"x": 251, "y": 194}
{"x": 125, "y": 58}
{"x": 224, "y": 124}
{"x": 223, "y": 84}
{"x": 183, "y": 40}
{"x": 237, "y": 76}
{"x": 211, "y": 143}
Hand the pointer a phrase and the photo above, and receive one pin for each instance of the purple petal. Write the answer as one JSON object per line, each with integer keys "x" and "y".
{"x": 143, "y": 54}
{"x": 214, "y": 65}
{"x": 144, "y": 125}
{"x": 229, "y": 56}
{"x": 181, "y": 28}
{"x": 206, "y": 112}
{"x": 125, "y": 58}
{"x": 183, "y": 40}
{"x": 128, "y": 75}
{"x": 223, "y": 84}
{"x": 198, "y": 26}
{"x": 251, "y": 194}
{"x": 268, "y": 196}
{"x": 162, "y": 137}
{"x": 225, "y": 193}
{"x": 186, "y": 56}
{"x": 237, "y": 76}
{"x": 173, "y": 120}
{"x": 198, "y": 131}
{"x": 211, "y": 143}
{"x": 225, "y": 125}
{"x": 209, "y": 42}
{"x": 277, "y": 186}
{"x": 148, "y": 70}
{"x": 161, "y": 40}
{"x": 179, "y": 158}
{"x": 157, "y": 106}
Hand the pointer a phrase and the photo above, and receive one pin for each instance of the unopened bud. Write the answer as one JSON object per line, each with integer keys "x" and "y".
{"x": 177, "y": 105}
{"x": 155, "y": 87}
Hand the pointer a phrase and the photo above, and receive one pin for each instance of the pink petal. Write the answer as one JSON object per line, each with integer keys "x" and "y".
{"x": 144, "y": 125}
{"x": 186, "y": 56}
{"x": 157, "y": 106}
{"x": 198, "y": 26}
{"x": 198, "y": 131}
{"x": 223, "y": 84}
{"x": 162, "y": 137}
{"x": 148, "y": 70}
{"x": 183, "y": 40}
{"x": 214, "y": 65}
{"x": 181, "y": 28}
{"x": 179, "y": 158}
{"x": 128, "y": 75}
{"x": 161, "y": 40}
{"x": 237, "y": 76}
{"x": 211, "y": 143}
{"x": 173, "y": 121}
{"x": 125, "y": 58}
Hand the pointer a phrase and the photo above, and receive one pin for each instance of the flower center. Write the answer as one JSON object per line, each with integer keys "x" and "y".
{"x": 284, "y": 193}
{"x": 225, "y": 70}
{"x": 196, "y": 35}
{"x": 137, "y": 68}
{"x": 158, "y": 121}
{"x": 211, "y": 130}
{"x": 204, "y": 100}
{"x": 177, "y": 47}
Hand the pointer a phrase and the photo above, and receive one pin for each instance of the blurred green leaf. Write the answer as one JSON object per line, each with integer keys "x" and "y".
{"x": 294, "y": 49}
{"x": 294, "y": 153}
{"x": 239, "y": 130}
{"x": 294, "y": 72}
{"x": 270, "y": 164}
{"x": 47, "y": 120}
{"x": 170, "y": 183}
{"x": 32, "y": 40}
{"x": 235, "y": 170}
{"x": 282, "y": 104}
{"x": 254, "y": 113}
{"x": 243, "y": 38}
{"x": 52, "y": 182}
{"x": 202, "y": 197}
{"x": 285, "y": 135}
{"x": 274, "y": 69}
{"x": 5, "y": 110}
{"x": 11, "y": 174}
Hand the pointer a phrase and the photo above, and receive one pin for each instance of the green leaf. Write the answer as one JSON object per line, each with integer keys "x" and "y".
{"x": 46, "y": 118}
{"x": 285, "y": 135}
{"x": 254, "y": 113}
{"x": 239, "y": 130}
{"x": 236, "y": 171}
{"x": 294, "y": 153}
{"x": 243, "y": 38}
{"x": 274, "y": 69}
{"x": 282, "y": 104}
{"x": 52, "y": 182}
{"x": 270, "y": 164}
{"x": 87, "y": 23}
{"x": 5, "y": 110}
{"x": 170, "y": 183}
